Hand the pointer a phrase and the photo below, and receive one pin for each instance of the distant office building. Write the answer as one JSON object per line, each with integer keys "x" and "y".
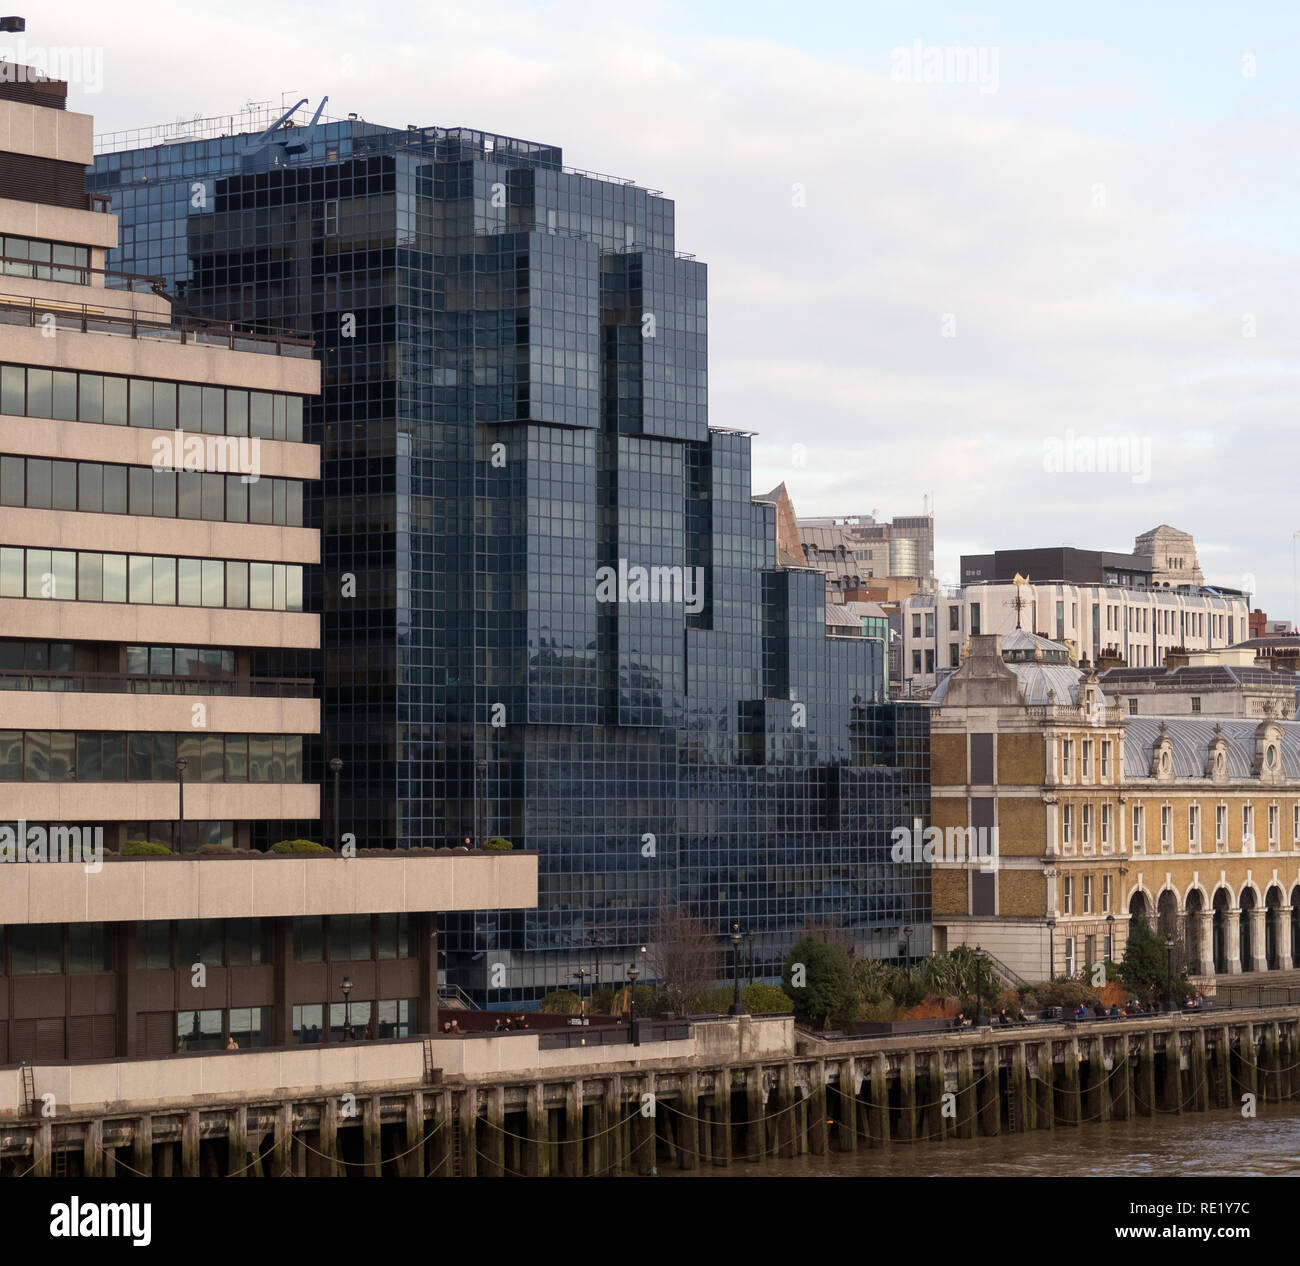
{"x": 1072, "y": 566}
{"x": 867, "y": 559}
{"x": 1137, "y": 627}
{"x": 1170, "y": 556}
{"x": 1236, "y": 682}
{"x": 1162, "y": 558}
{"x": 1262, "y": 626}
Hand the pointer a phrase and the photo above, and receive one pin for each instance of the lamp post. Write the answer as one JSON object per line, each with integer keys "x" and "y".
{"x": 1110, "y": 938}
{"x": 336, "y": 766}
{"x": 181, "y": 762}
{"x": 1169, "y": 974}
{"x": 736, "y": 1008}
{"x": 980, "y": 1018}
{"x": 632, "y": 973}
{"x": 346, "y": 986}
{"x": 907, "y": 949}
{"x": 580, "y": 975}
{"x": 1051, "y": 949}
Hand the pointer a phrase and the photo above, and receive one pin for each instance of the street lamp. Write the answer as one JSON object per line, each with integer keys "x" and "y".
{"x": 181, "y": 762}
{"x": 1051, "y": 949}
{"x": 1169, "y": 974}
{"x": 580, "y": 975}
{"x": 980, "y": 1019}
{"x": 736, "y": 1008}
{"x": 346, "y": 986}
{"x": 633, "y": 972}
{"x": 907, "y": 948}
{"x": 1110, "y": 938}
{"x": 336, "y": 766}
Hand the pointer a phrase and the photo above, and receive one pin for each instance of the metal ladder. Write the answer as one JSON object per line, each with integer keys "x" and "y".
{"x": 29, "y": 1089}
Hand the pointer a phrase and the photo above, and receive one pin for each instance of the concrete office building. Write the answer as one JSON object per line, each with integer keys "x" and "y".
{"x": 871, "y": 560}
{"x": 152, "y": 548}
{"x": 1133, "y": 626}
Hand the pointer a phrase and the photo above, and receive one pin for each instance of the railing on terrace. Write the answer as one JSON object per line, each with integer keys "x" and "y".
{"x": 604, "y": 1035}
{"x": 1252, "y": 999}
{"x": 1256, "y": 995}
{"x": 129, "y": 323}
{"x": 157, "y": 684}
{"x": 80, "y": 275}
{"x": 454, "y": 993}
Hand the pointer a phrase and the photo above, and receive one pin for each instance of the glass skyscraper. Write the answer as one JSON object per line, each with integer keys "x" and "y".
{"x": 551, "y": 610}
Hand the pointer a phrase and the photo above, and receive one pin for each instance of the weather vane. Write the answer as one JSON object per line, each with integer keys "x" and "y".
{"x": 1018, "y": 602}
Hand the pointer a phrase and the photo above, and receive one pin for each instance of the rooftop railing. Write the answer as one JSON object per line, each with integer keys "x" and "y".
{"x": 81, "y": 275}
{"x": 130, "y": 323}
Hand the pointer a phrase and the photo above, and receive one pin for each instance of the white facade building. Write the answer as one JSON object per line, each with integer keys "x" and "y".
{"x": 1137, "y": 626}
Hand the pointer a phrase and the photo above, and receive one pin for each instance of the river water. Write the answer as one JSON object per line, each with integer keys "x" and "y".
{"x": 1201, "y": 1144}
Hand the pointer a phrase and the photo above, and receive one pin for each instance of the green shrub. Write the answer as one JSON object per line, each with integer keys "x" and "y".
{"x": 1065, "y": 993}
{"x": 284, "y": 847}
{"x": 497, "y": 845}
{"x": 906, "y": 989}
{"x": 560, "y": 1002}
{"x": 761, "y": 999}
{"x": 145, "y": 848}
{"x": 716, "y": 1001}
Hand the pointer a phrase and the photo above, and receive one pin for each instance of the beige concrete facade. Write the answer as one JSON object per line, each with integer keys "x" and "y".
{"x": 157, "y": 801}
{"x": 134, "y": 446}
{"x": 259, "y": 887}
{"x": 95, "y": 229}
{"x": 145, "y": 534}
{"x": 45, "y": 133}
{"x": 178, "y": 626}
{"x": 206, "y": 713}
{"x": 101, "y": 353}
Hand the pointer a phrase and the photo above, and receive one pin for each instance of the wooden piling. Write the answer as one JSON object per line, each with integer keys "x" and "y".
{"x": 190, "y": 1144}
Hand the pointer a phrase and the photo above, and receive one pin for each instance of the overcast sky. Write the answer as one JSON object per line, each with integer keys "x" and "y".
{"x": 956, "y": 252}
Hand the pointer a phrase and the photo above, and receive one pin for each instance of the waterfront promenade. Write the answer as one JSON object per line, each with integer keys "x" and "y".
{"x": 710, "y": 1093}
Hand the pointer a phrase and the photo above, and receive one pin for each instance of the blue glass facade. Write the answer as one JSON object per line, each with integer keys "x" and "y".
{"x": 551, "y": 610}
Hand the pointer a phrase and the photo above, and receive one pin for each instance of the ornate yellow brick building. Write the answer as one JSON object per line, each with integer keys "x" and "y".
{"x": 1100, "y": 817}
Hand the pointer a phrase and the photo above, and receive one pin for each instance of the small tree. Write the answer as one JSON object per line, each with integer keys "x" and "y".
{"x": 684, "y": 955}
{"x": 819, "y": 979}
{"x": 1145, "y": 969}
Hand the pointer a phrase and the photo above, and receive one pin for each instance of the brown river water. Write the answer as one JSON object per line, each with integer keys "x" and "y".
{"x": 1200, "y": 1144}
